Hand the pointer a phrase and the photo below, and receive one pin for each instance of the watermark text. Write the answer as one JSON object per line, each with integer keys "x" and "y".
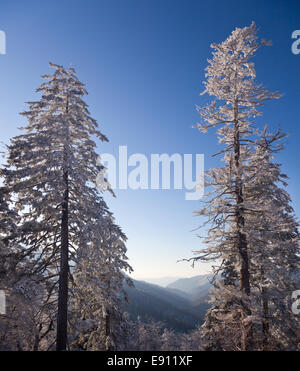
{"x": 2, "y": 42}
{"x": 159, "y": 171}
{"x": 2, "y": 302}
{"x": 296, "y": 43}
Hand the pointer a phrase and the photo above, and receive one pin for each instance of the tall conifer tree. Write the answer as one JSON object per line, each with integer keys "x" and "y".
{"x": 51, "y": 172}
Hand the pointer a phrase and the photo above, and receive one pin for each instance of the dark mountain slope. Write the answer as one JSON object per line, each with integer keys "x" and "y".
{"x": 154, "y": 302}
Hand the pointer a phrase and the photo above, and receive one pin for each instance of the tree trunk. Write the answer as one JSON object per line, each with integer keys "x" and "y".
{"x": 36, "y": 343}
{"x": 265, "y": 322}
{"x": 62, "y": 315}
{"x": 241, "y": 237}
{"x": 107, "y": 331}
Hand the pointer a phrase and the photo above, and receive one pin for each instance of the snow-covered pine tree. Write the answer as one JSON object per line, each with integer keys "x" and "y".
{"x": 231, "y": 81}
{"x": 8, "y": 222}
{"x": 99, "y": 296}
{"x": 273, "y": 240}
{"x": 51, "y": 173}
{"x": 26, "y": 324}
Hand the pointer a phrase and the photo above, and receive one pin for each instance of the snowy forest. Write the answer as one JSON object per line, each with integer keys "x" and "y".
{"x": 63, "y": 257}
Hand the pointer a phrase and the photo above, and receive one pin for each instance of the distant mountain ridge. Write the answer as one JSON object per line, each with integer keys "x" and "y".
{"x": 179, "y": 310}
{"x": 160, "y": 281}
{"x": 195, "y": 288}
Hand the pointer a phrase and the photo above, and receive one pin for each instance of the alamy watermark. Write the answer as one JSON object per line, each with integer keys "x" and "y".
{"x": 2, "y": 302}
{"x": 296, "y": 43}
{"x": 2, "y": 42}
{"x": 296, "y": 303}
{"x": 166, "y": 172}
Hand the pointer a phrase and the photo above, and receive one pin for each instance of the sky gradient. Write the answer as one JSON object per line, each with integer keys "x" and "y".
{"x": 143, "y": 65}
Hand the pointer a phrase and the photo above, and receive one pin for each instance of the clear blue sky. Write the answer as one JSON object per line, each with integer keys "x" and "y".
{"x": 143, "y": 64}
